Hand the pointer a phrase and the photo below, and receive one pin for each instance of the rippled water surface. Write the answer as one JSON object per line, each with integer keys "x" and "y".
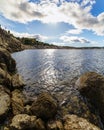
{"x": 55, "y": 70}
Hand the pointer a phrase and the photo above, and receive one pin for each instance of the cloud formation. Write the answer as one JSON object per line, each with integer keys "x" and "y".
{"x": 74, "y": 39}
{"x": 37, "y": 36}
{"x": 74, "y": 31}
{"x": 76, "y": 13}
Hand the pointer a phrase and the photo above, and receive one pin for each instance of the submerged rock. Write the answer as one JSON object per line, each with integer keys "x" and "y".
{"x": 91, "y": 85}
{"x": 4, "y": 103}
{"x": 17, "y": 102}
{"x": 23, "y": 122}
{"x": 73, "y": 122}
{"x": 44, "y": 107}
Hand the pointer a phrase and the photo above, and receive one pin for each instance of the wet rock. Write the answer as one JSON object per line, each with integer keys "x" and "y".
{"x": 4, "y": 103}
{"x": 44, "y": 107}
{"x": 17, "y": 81}
{"x": 17, "y": 102}
{"x": 91, "y": 85}
{"x": 73, "y": 122}
{"x": 55, "y": 125}
{"x": 5, "y": 78}
{"x": 5, "y": 58}
{"x": 23, "y": 122}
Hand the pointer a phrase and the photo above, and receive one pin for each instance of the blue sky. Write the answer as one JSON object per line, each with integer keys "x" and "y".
{"x": 61, "y": 22}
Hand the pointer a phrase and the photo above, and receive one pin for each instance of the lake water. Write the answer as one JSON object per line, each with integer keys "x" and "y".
{"x": 55, "y": 70}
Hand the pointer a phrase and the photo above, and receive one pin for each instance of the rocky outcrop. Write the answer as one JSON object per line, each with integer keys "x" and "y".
{"x": 9, "y": 42}
{"x": 6, "y": 61}
{"x": 4, "y": 103}
{"x": 73, "y": 122}
{"x": 9, "y": 80}
{"x": 17, "y": 101}
{"x": 44, "y": 107}
{"x": 91, "y": 85}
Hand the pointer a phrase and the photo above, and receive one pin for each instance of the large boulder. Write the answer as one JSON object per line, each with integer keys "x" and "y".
{"x": 23, "y": 122}
{"x": 91, "y": 85}
{"x": 4, "y": 103}
{"x": 44, "y": 107}
{"x": 5, "y": 58}
{"x": 17, "y": 102}
{"x": 73, "y": 122}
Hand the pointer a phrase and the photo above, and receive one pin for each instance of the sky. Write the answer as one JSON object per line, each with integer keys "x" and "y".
{"x": 78, "y": 23}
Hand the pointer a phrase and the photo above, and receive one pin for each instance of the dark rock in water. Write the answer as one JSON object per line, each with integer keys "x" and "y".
{"x": 23, "y": 122}
{"x": 73, "y": 122}
{"x": 4, "y": 103}
{"x": 91, "y": 85}
{"x": 55, "y": 125}
{"x": 44, "y": 107}
{"x": 17, "y": 81}
{"x": 17, "y": 102}
{"x": 5, "y": 58}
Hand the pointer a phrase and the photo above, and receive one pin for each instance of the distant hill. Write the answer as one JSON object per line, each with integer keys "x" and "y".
{"x": 9, "y": 42}
{"x": 13, "y": 44}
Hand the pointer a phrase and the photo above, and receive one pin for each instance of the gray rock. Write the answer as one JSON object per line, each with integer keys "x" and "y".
{"x": 45, "y": 107}
{"x": 73, "y": 122}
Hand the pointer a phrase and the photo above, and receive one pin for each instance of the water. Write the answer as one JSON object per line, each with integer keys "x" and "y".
{"x": 55, "y": 70}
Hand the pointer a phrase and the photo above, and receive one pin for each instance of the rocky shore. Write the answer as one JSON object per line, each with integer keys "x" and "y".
{"x": 45, "y": 112}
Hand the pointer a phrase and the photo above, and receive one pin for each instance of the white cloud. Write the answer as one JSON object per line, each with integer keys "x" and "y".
{"x": 74, "y": 31}
{"x": 37, "y": 36}
{"x": 74, "y": 39}
{"x": 47, "y": 11}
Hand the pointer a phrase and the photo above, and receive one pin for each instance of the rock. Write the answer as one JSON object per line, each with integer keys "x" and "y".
{"x": 39, "y": 125}
{"x": 44, "y": 107}
{"x": 73, "y": 122}
{"x": 23, "y": 122}
{"x": 4, "y": 103}
{"x": 5, "y": 58}
{"x": 27, "y": 109}
{"x": 91, "y": 85}
{"x": 17, "y": 102}
{"x": 6, "y": 128}
{"x": 55, "y": 125}
{"x": 5, "y": 78}
{"x": 17, "y": 81}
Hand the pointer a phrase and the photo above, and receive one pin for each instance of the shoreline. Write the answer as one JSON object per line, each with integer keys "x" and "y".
{"x": 43, "y": 118}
